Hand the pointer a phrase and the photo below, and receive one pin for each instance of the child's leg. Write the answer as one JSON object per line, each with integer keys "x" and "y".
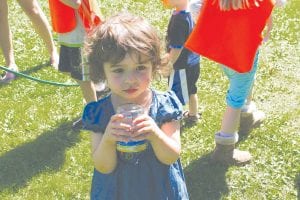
{"x": 225, "y": 152}
{"x": 71, "y": 62}
{"x": 239, "y": 90}
{"x": 192, "y": 115}
{"x": 230, "y": 120}
{"x": 89, "y": 95}
{"x": 6, "y": 36}
{"x": 41, "y": 25}
{"x": 251, "y": 117}
{"x": 193, "y": 73}
{"x": 6, "y": 42}
{"x": 88, "y": 90}
{"x": 193, "y": 105}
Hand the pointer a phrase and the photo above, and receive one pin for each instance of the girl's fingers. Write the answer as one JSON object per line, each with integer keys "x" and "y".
{"x": 141, "y": 118}
{"x": 122, "y": 132}
{"x": 122, "y": 138}
{"x": 116, "y": 117}
{"x": 122, "y": 126}
{"x": 139, "y": 137}
{"x": 143, "y": 127}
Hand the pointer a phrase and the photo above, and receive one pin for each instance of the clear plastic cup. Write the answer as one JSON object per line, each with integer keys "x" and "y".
{"x": 130, "y": 112}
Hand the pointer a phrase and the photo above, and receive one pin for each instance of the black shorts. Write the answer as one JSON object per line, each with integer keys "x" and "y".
{"x": 70, "y": 61}
{"x": 192, "y": 74}
{"x": 184, "y": 82}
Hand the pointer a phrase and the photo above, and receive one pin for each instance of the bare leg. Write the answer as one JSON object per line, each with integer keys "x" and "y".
{"x": 230, "y": 120}
{"x": 251, "y": 117}
{"x": 225, "y": 151}
{"x": 6, "y": 37}
{"x": 41, "y": 25}
{"x": 88, "y": 91}
{"x": 193, "y": 105}
{"x": 89, "y": 95}
{"x": 6, "y": 43}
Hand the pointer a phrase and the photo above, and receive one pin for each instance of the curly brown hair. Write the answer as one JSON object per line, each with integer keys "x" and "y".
{"x": 119, "y": 35}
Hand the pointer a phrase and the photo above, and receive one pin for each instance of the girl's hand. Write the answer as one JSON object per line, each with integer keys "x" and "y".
{"x": 144, "y": 127}
{"x": 117, "y": 129}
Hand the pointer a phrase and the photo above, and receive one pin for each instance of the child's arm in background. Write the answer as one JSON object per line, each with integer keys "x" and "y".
{"x": 165, "y": 140}
{"x": 174, "y": 54}
{"x": 269, "y": 27}
{"x": 72, "y": 3}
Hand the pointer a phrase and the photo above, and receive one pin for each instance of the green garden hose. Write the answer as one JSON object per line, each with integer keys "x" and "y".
{"x": 37, "y": 79}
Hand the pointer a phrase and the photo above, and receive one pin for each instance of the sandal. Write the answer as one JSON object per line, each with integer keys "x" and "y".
{"x": 191, "y": 119}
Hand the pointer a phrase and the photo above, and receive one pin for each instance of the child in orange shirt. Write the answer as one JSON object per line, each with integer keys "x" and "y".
{"x": 72, "y": 19}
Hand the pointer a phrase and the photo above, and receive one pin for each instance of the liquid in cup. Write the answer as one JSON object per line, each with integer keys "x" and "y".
{"x": 130, "y": 112}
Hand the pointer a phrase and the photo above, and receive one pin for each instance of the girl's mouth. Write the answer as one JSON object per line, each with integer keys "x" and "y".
{"x": 130, "y": 90}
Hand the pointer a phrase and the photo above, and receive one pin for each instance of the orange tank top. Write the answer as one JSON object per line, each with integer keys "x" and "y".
{"x": 64, "y": 20}
{"x": 62, "y": 17}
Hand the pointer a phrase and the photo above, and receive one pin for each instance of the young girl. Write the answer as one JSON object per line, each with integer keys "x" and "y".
{"x": 234, "y": 44}
{"x": 251, "y": 117}
{"x": 125, "y": 52}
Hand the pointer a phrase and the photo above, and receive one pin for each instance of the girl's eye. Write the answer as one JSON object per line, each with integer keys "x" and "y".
{"x": 141, "y": 67}
{"x": 118, "y": 70}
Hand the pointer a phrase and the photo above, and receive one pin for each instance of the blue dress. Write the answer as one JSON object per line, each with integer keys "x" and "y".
{"x": 138, "y": 175}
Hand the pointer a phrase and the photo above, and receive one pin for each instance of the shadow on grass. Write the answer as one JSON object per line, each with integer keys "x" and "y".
{"x": 206, "y": 180}
{"x": 46, "y": 153}
{"x": 36, "y": 68}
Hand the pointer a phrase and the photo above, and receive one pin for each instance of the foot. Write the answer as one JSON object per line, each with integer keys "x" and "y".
{"x": 191, "y": 119}
{"x": 7, "y": 78}
{"x": 228, "y": 155}
{"x": 77, "y": 125}
{"x": 250, "y": 120}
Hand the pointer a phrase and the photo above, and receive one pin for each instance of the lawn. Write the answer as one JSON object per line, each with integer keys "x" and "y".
{"x": 42, "y": 158}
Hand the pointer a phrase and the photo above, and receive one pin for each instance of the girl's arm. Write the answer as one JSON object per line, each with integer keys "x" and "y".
{"x": 165, "y": 140}
{"x": 104, "y": 153}
{"x": 72, "y": 3}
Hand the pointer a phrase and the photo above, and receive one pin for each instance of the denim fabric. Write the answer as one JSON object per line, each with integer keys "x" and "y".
{"x": 138, "y": 175}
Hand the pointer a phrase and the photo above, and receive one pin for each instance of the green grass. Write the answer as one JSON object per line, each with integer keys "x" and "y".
{"x": 41, "y": 158}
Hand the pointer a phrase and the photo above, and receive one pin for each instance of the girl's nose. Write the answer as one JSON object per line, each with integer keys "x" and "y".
{"x": 131, "y": 77}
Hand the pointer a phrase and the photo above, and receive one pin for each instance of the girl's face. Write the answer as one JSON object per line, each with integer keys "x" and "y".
{"x": 130, "y": 78}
